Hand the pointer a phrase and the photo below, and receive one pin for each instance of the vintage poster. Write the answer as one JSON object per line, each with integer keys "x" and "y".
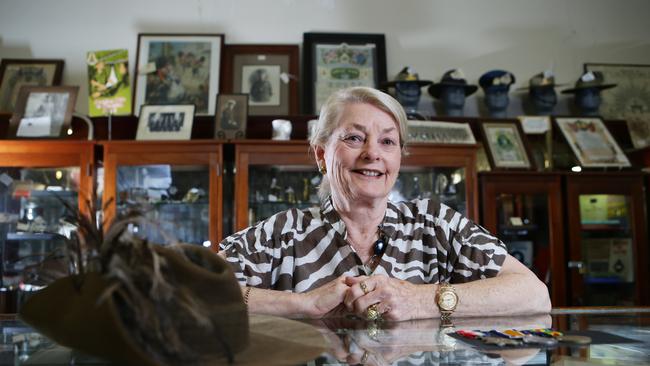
{"x": 341, "y": 66}
{"x": 109, "y": 90}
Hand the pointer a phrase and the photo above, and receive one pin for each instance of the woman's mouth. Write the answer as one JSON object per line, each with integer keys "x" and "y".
{"x": 368, "y": 172}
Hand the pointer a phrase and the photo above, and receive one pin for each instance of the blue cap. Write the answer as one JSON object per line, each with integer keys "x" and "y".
{"x": 496, "y": 80}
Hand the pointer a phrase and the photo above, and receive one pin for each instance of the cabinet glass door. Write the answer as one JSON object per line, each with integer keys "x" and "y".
{"x": 447, "y": 185}
{"x": 32, "y": 225}
{"x": 523, "y": 225}
{"x": 280, "y": 187}
{"x": 175, "y": 197}
{"x": 607, "y": 250}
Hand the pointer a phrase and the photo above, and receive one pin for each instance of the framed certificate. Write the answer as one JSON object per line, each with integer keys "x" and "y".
{"x": 333, "y": 61}
{"x": 592, "y": 143}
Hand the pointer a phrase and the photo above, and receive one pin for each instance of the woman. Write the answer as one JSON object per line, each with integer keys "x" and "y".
{"x": 361, "y": 253}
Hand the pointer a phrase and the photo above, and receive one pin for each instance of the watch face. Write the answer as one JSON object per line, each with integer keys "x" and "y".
{"x": 447, "y": 300}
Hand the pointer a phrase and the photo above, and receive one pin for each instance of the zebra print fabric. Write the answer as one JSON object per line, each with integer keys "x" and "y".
{"x": 299, "y": 250}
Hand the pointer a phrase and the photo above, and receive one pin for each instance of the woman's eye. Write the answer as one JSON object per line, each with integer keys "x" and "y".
{"x": 353, "y": 138}
{"x": 389, "y": 142}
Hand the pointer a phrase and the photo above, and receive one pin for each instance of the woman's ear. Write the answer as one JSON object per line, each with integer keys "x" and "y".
{"x": 319, "y": 153}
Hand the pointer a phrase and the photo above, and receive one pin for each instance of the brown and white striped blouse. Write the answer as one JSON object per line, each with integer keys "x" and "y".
{"x": 299, "y": 250}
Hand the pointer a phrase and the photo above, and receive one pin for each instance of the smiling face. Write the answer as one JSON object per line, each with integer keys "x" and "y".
{"x": 362, "y": 155}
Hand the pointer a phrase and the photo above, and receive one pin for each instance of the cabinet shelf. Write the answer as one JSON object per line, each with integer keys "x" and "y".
{"x": 23, "y": 236}
{"x": 603, "y": 227}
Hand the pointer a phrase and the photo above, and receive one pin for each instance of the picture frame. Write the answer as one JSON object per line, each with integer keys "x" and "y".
{"x": 631, "y": 94}
{"x": 178, "y": 69}
{"x": 15, "y": 73}
{"x": 231, "y": 117}
{"x": 591, "y": 142}
{"x": 333, "y": 61}
{"x": 268, "y": 73}
{"x": 165, "y": 122}
{"x": 506, "y": 145}
{"x": 437, "y": 132}
{"x": 43, "y": 112}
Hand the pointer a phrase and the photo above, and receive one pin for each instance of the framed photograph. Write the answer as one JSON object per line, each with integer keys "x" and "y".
{"x": 178, "y": 69}
{"x": 15, "y": 73}
{"x": 43, "y": 111}
{"x": 631, "y": 94}
{"x": 232, "y": 113}
{"x": 269, "y": 74}
{"x": 592, "y": 143}
{"x": 333, "y": 61}
{"x": 506, "y": 145}
{"x": 440, "y": 132}
{"x": 165, "y": 122}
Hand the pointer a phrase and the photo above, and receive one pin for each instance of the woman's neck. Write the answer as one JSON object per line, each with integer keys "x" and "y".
{"x": 361, "y": 221}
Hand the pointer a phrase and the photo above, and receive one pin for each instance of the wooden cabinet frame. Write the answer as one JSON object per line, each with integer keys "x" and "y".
{"x": 530, "y": 183}
{"x": 198, "y": 152}
{"x": 52, "y": 154}
{"x": 622, "y": 183}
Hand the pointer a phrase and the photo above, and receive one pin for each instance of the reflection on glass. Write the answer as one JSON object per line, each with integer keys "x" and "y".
{"x": 31, "y": 220}
{"x": 607, "y": 253}
{"x": 175, "y": 198}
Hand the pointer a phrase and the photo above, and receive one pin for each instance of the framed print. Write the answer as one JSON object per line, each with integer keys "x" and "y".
{"x": 178, "y": 69}
{"x": 232, "y": 113}
{"x": 165, "y": 122}
{"x": 440, "y": 132}
{"x": 269, "y": 74}
{"x": 333, "y": 61}
{"x": 592, "y": 143}
{"x": 14, "y": 73}
{"x": 506, "y": 145}
{"x": 43, "y": 111}
{"x": 631, "y": 94}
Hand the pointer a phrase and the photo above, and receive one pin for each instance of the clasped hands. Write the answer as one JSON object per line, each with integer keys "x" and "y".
{"x": 370, "y": 297}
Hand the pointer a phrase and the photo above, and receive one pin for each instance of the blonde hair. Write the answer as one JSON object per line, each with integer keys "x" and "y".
{"x": 330, "y": 117}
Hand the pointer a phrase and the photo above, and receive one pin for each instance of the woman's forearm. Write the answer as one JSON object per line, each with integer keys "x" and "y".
{"x": 273, "y": 302}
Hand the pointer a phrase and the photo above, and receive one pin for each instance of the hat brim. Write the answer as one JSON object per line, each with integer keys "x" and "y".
{"x": 420, "y": 83}
{"x": 436, "y": 89}
{"x": 599, "y": 87}
{"x": 528, "y": 87}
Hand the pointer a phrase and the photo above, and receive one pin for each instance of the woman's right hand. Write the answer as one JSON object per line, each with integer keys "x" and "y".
{"x": 325, "y": 299}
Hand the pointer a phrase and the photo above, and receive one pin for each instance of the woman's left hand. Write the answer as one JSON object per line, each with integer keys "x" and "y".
{"x": 396, "y": 299}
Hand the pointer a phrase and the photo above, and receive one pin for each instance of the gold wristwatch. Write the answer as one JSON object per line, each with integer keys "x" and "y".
{"x": 446, "y": 299}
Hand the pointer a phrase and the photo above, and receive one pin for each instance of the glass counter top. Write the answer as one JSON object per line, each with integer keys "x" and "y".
{"x": 619, "y": 337}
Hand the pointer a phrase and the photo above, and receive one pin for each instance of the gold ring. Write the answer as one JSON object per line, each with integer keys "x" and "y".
{"x": 364, "y": 287}
{"x": 372, "y": 313}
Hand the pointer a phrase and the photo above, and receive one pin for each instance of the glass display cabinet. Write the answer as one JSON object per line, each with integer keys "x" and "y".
{"x": 176, "y": 184}
{"x": 608, "y": 247}
{"x": 524, "y": 209}
{"x": 272, "y": 176}
{"x": 37, "y": 179}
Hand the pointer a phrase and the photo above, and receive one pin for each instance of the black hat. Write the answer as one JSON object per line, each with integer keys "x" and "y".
{"x": 544, "y": 79}
{"x": 407, "y": 75}
{"x": 453, "y": 77}
{"x": 590, "y": 79}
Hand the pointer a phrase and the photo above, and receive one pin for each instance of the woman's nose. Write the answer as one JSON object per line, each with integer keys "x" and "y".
{"x": 371, "y": 150}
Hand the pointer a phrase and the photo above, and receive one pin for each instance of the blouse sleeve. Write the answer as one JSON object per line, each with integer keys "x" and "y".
{"x": 472, "y": 252}
{"x": 250, "y": 257}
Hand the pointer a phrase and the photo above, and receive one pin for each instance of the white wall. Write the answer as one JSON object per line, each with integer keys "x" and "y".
{"x": 522, "y": 36}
